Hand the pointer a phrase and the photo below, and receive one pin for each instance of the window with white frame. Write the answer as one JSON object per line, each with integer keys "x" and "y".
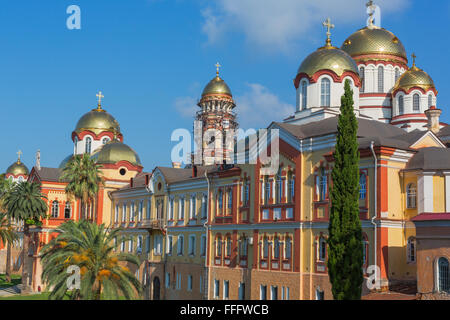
{"x": 303, "y": 95}
{"x": 192, "y": 207}
{"x": 325, "y": 88}
{"x": 88, "y": 145}
{"x": 130, "y": 245}
{"x": 149, "y": 209}
{"x": 180, "y": 243}
{"x": 192, "y": 245}
{"x": 380, "y": 79}
{"x": 141, "y": 207}
{"x": 139, "y": 244}
{"x": 411, "y": 196}
{"x": 362, "y": 74}
{"x": 132, "y": 212}
{"x": 362, "y": 186}
{"x": 228, "y": 246}
{"x": 169, "y": 245}
{"x": 157, "y": 245}
{"x": 204, "y": 207}
{"x": 67, "y": 210}
{"x": 416, "y": 102}
{"x": 171, "y": 206}
{"x": 122, "y": 245}
{"x": 55, "y": 209}
{"x": 401, "y": 105}
{"x": 124, "y": 212}
{"x": 181, "y": 209}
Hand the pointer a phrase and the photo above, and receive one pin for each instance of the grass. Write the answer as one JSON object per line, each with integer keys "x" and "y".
{"x": 15, "y": 280}
{"x": 42, "y": 296}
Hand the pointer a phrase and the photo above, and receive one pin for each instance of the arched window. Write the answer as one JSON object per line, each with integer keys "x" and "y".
{"x": 411, "y": 196}
{"x": 325, "y": 92}
{"x": 380, "y": 79}
{"x": 397, "y": 74}
{"x": 304, "y": 95}
{"x": 291, "y": 187}
{"x": 105, "y": 140}
{"x": 218, "y": 246}
{"x": 276, "y": 248}
{"x": 266, "y": 190}
{"x": 67, "y": 210}
{"x": 55, "y": 209}
{"x": 362, "y": 76}
{"x": 401, "y": 108}
{"x": 416, "y": 102}
{"x": 411, "y": 250}
{"x": 362, "y": 186}
{"x": 230, "y": 198}
{"x": 443, "y": 276}
{"x": 266, "y": 248}
{"x": 88, "y": 145}
{"x": 278, "y": 187}
{"x": 321, "y": 185}
{"x": 430, "y": 101}
{"x": 228, "y": 247}
{"x": 243, "y": 246}
{"x": 322, "y": 254}
{"x": 287, "y": 248}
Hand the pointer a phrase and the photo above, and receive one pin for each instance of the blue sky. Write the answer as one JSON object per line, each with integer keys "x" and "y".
{"x": 152, "y": 58}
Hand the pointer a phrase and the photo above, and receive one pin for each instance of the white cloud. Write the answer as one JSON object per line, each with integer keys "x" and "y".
{"x": 186, "y": 106}
{"x": 258, "y": 107}
{"x": 278, "y": 24}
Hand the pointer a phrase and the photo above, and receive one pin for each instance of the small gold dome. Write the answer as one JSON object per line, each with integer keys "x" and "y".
{"x": 374, "y": 41}
{"x": 328, "y": 58}
{"x": 97, "y": 121}
{"x": 115, "y": 151}
{"x": 414, "y": 77}
{"x": 17, "y": 168}
{"x": 216, "y": 86}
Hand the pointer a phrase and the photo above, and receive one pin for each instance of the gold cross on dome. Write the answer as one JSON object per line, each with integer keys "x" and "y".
{"x": 19, "y": 153}
{"x": 327, "y": 23}
{"x": 414, "y": 59}
{"x": 99, "y": 96}
{"x": 217, "y": 68}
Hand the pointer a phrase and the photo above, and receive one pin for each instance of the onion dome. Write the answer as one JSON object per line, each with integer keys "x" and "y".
{"x": 17, "y": 168}
{"x": 415, "y": 78}
{"x": 374, "y": 40}
{"x": 97, "y": 120}
{"x": 216, "y": 86}
{"x": 115, "y": 151}
{"x": 328, "y": 58}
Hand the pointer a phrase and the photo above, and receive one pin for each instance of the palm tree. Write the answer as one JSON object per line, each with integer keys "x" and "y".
{"x": 90, "y": 247}
{"x": 84, "y": 179}
{"x": 25, "y": 202}
{"x": 5, "y": 223}
{"x": 7, "y": 236}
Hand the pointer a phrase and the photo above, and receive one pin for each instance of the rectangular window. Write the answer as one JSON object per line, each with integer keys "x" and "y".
{"x": 263, "y": 292}
{"x": 180, "y": 245}
{"x": 139, "y": 244}
{"x": 149, "y": 209}
{"x": 277, "y": 213}
{"x": 226, "y": 291}
{"x": 124, "y": 212}
{"x": 203, "y": 246}
{"x": 204, "y": 207}
{"x": 274, "y": 293}
{"x": 189, "y": 283}
{"x": 289, "y": 213}
{"x": 265, "y": 214}
{"x": 230, "y": 198}
{"x": 141, "y": 207}
{"x": 122, "y": 246}
{"x": 246, "y": 193}
{"x": 171, "y": 209}
{"x": 132, "y": 213}
{"x": 216, "y": 289}
{"x": 116, "y": 214}
{"x": 241, "y": 291}
{"x": 147, "y": 244}
{"x": 130, "y": 245}
{"x": 167, "y": 280}
{"x": 178, "y": 281}
{"x": 192, "y": 208}
{"x": 192, "y": 245}
{"x": 169, "y": 245}
{"x": 181, "y": 209}
{"x": 157, "y": 245}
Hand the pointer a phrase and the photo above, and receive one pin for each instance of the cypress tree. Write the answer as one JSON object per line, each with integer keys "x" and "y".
{"x": 345, "y": 253}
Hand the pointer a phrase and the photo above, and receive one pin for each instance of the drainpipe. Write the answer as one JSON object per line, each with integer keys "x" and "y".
{"x": 207, "y": 229}
{"x": 375, "y": 205}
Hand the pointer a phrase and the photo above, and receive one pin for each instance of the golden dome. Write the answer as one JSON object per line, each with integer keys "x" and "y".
{"x": 414, "y": 77}
{"x": 328, "y": 58}
{"x": 115, "y": 151}
{"x": 374, "y": 41}
{"x": 97, "y": 121}
{"x": 17, "y": 168}
{"x": 217, "y": 86}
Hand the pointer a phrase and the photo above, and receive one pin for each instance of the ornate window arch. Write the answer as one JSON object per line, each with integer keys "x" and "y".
{"x": 55, "y": 209}
{"x": 443, "y": 275}
{"x": 88, "y": 145}
{"x": 303, "y": 94}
